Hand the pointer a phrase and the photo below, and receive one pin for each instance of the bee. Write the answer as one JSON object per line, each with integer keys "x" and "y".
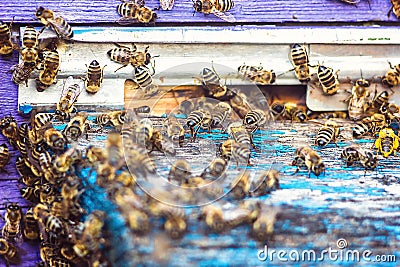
{"x": 138, "y": 160}
{"x": 180, "y": 171}
{"x": 358, "y": 100}
{"x": 69, "y": 96}
{"x": 112, "y": 118}
{"x": 294, "y": 112}
{"x": 50, "y": 222}
{"x": 371, "y": 124}
{"x": 145, "y": 81}
{"x": 41, "y": 121}
{"x": 215, "y": 7}
{"x": 58, "y": 24}
{"x": 21, "y": 73}
{"x": 135, "y": 10}
{"x": 54, "y": 139}
{"x": 257, "y": 74}
{"x": 240, "y": 104}
{"x": 387, "y": 142}
{"x": 94, "y": 77}
{"x": 213, "y": 217}
{"x": 306, "y": 156}
{"x": 91, "y": 237}
{"x": 77, "y": 126}
{"x": 12, "y": 227}
{"x": 195, "y": 119}
{"x": 175, "y": 129}
{"x": 114, "y": 150}
{"x": 329, "y": 132}
{"x": 9, "y": 129}
{"x": 216, "y": 168}
{"x": 144, "y": 132}
{"x": 221, "y": 112}
{"x": 31, "y": 227}
{"x": 277, "y": 110}
{"x": 300, "y": 62}
{"x": 266, "y": 183}
{"x": 125, "y": 56}
{"x": 241, "y": 185}
{"x": 175, "y": 219}
{"x": 95, "y": 155}
{"x": 47, "y": 76}
{"x": 355, "y": 153}
{"x": 328, "y": 79}
{"x": 211, "y": 82}
{"x": 30, "y": 193}
{"x": 29, "y": 50}
{"x": 392, "y": 76}
{"x": 381, "y": 99}
{"x": 166, "y": 4}
{"x": 63, "y": 162}
{"x": 162, "y": 143}
{"x": 239, "y": 152}
{"x": 395, "y": 8}
{"x": 263, "y": 226}
{"x": 240, "y": 134}
{"x": 6, "y": 45}
{"x": 9, "y": 251}
{"x": 25, "y": 172}
{"x": 4, "y": 156}
{"x": 255, "y": 118}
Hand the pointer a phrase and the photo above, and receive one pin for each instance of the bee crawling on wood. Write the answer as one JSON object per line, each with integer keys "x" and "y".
{"x": 358, "y": 101}
{"x": 58, "y": 24}
{"x": 69, "y": 96}
{"x": 21, "y": 73}
{"x": 306, "y": 156}
{"x": 355, "y": 153}
{"x": 6, "y": 44}
{"x": 215, "y": 7}
{"x": 94, "y": 77}
{"x": 392, "y": 76}
{"x": 328, "y": 79}
{"x": 257, "y": 74}
{"x": 135, "y": 11}
{"x": 299, "y": 58}
{"x": 387, "y": 142}
{"x": 328, "y": 133}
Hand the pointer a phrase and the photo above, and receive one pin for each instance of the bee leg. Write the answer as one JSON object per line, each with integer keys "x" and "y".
{"x": 297, "y": 170}
{"x": 123, "y": 66}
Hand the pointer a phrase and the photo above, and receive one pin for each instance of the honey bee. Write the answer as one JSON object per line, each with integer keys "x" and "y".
{"x": 306, "y": 156}
{"x": 381, "y": 99}
{"x": 166, "y": 4}
{"x": 175, "y": 219}
{"x": 358, "y": 100}
{"x": 257, "y": 74}
{"x": 29, "y": 50}
{"x": 328, "y": 133}
{"x": 162, "y": 143}
{"x": 94, "y": 77}
{"x": 196, "y": 119}
{"x": 31, "y": 227}
{"x": 63, "y": 162}
{"x": 300, "y": 62}
{"x": 12, "y": 227}
{"x": 277, "y": 110}
{"x": 255, "y": 118}
{"x": 50, "y": 222}
{"x": 9, "y": 251}
{"x": 41, "y": 121}
{"x": 21, "y": 73}
{"x": 175, "y": 130}
{"x": 112, "y": 118}
{"x": 213, "y": 217}
{"x": 54, "y": 139}
{"x": 58, "y": 24}
{"x": 294, "y": 112}
{"x": 9, "y": 129}
{"x": 387, "y": 142}
{"x": 395, "y": 8}
{"x": 138, "y": 160}
{"x": 144, "y": 132}
{"x": 217, "y": 8}
{"x": 145, "y": 81}
{"x": 240, "y": 134}
{"x": 240, "y": 104}
{"x": 6, "y": 45}
{"x": 135, "y": 11}
{"x": 371, "y": 124}
{"x": 180, "y": 171}
{"x": 125, "y": 56}
{"x": 114, "y": 149}
{"x": 328, "y": 80}
{"x": 241, "y": 185}
{"x": 77, "y": 126}
{"x": 51, "y": 65}
{"x": 392, "y": 76}
{"x": 211, "y": 82}
{"x": 355, "y": 153}
{"x": 263, "y": 226}
{"x": 4, "y": 156}
{"x": 266, "y": 183}
{"x": 333, "y": 115}
{"x": 239, "y": 152}
{"x": 215, "y": 169}
{"x": 30, "y": 193}
{"x": 221, "y": 112}
{"x": 69, "y": 96}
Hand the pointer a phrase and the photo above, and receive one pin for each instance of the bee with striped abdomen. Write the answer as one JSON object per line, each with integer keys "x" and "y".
{"x": 54, "y": 139}
{"x": 255, "y": 118}
{"x": 387, "y": 142}
{"x": 9, "y": 251}
{"x": 125, "y": 56}
{"x": 215, "y": 7}
{"x": 63, "y": 162}
{"x": 135, "y": 11}
{"x": 240, "y": 134}
{"x": 94, "y": 77}
{"x": 306, "y": 156}
{"x": 31, "y": 227}
{"x": 355, "y": 153}
{"x": 12, "y": 230}
{"x": 145, "y": 81}
{"x": 358, "y": 102}
{"x": 29, "y": 50}
{"x": 238, "y": 151}
{"x": 299, "y": 58}
{"x": 195, "y": 119}
{"x": 371, "y": 124}
{"x": 9, "y": 128}
{"x": 144, "y": 132}
{"x": 328, "y": 133}
{"x": 77, "y": 126}
{"x": 257, "y": 74}
{"x": 395, "y": 8}
{"x": 241, "y": 185}
{"x": 51, "y": 65}
{"x": 328, "y": 80}
{"x": 175, "y": 129}
{"x": 392, "y": 76}
{"x": 180, "y": 171}
{"x": 21, "y": 73}
{"x": 333, "y": 115}
{"x": 266, "y": 182}
{"x": 6, "y": 45}
{"x": 4, "y": 156}
{"x": 220, "y": 113}
{"x": 215, "y": 169}
{"x": 69, "y": 96}
{"x": 294, "y": 112}
{"x": 381, "y": 99}
{"x": 58, "y": 24}
{"x": 50, "y": 222}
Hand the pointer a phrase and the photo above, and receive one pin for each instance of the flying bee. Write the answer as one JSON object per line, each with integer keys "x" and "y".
{"x": 395, "y": 8}
{"x": 4, "y": 156}
{"x": 255, "y": 118}
{"x": 241, "y": 185}
{"x": 328, "y": 133}
{"x": 392, "y": 76}
{"x": 328, "y": 80}
{"x": 175, "y": 129}
{"x": 135, "y": 11}
{"x": 306, "y": 156}
{"x": 299, "y": 59}
{"x": 215, "y": 169}
{"x": 77, "y": 126}
{"x": 54, "y": 139}
{"x": 9, "y": 251}
{"x": 94, "y": 77}
{"x": 58, "y": 24}
{"x": 387, "y": 142}
{"x": 257, "y": 74}
{"x": 9, "y": 128}
{"x": 217, "y": 8}
{"x": 21, "y": 73}
{"x": 31, "y": 227}
{"x": 294, "y": 112}
{"x": 180, "y": 171}
{"x": 6, "y": 45}
{"x": 166, "y": 4}
{"x": 29, "y": 50}
{"x": 358, "y": 102}
{"x": 12, "y": 227}
{"x": 69, "y": 96}
{"x": 51, "y": 65}
{"x": 221, "y": 112}
{"x": 355, "y": 153}
{"x": 266, "y": 183}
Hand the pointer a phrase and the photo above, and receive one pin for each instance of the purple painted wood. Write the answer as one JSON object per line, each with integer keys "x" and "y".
{"x": 245, "y": 11}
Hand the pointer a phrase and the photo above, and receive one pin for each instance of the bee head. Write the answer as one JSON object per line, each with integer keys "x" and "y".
{"x": 318, "y": 169}
{"x": 39, "y": 11}
{"x": 197, "y": 5}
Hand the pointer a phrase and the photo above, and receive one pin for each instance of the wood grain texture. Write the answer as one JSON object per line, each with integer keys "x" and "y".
{"x": 245, "y": 11}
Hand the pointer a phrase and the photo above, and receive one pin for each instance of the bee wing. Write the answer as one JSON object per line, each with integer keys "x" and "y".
{"x": 224, "y": 16}
{"x": 68, "y": 82}
{"x": 126, "y": 21}
{"x": 78, "y": 92}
